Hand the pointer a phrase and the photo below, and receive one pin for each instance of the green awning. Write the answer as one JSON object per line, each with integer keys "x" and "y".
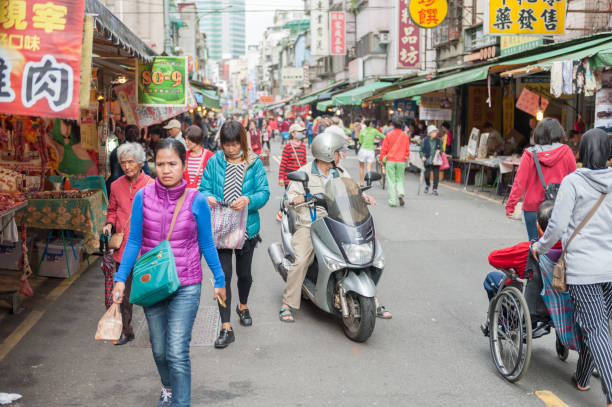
{"x": 354, "y": 96}
{"x": 447, "y": 81}
{"x": 322, "y": 106}
{"x": 601, "y": 60}
{"x": 208, "y": 98}
{"x": 307, "y": 100}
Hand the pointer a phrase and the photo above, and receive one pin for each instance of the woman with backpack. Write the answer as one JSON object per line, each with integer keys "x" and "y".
{"x": 555, "y": 160}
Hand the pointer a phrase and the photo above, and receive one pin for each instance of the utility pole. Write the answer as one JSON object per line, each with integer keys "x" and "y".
{"x": 167, "y": 44}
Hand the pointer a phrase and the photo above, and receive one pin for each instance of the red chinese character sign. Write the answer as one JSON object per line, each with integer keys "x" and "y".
{"x": 337, "y": 21}
{"x": 428, "y": 13}
{"x": 409, "y": 41}
{"x": 40, "y": 57}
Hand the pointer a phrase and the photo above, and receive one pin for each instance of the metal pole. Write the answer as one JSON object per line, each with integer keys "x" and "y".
{"x": 166, "y": 27}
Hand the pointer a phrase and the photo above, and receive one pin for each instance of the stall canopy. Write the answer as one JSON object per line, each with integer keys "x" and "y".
{"x": 601, "y": 54}
{"x": 322, "y": 106}
{"x": 207, "y": 98}
{"x": 446, "y": 81}
{"x": 278, "y": 104}
{"x": 111, "y": 33}
{"x": 355, "y": 96}
{"x": 321, "y": 94}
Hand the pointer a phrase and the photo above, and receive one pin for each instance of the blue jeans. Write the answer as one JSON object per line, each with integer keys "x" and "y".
{"x": 492, "y": 283}
{"x": 170, "y": 323}
{"x": 531, "y": 223}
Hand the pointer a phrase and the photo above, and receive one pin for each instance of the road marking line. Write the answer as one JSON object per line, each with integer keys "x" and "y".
{"x": 471, "y": 193}
{"x": 550, "y": 399}
{"x": 276, "y": 159}
{"x": 28, "y": 323}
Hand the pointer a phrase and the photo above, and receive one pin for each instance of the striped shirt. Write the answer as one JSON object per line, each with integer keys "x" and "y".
{"x": 193, "y": 165}
{"x": 234, "y": 174}
{"x": 291, "y": 160}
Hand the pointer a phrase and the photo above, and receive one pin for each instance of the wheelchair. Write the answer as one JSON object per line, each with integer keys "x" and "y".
{"x": 510, "y": 327}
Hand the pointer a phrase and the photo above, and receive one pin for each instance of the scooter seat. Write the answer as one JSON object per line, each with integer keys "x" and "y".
{"x": 292, "y": 220}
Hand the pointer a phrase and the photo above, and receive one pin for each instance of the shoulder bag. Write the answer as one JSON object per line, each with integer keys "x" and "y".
{"x": 559, "y": 273}
{"x": 550, "y": 190}
{"x": 154, "y": 276}
{"x": 193, "y": 182}
{"x": 296, "y": 155}
{"x": 384, "y": 160}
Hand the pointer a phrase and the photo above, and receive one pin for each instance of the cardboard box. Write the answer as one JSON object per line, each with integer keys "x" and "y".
{"x": 54, "y": 264}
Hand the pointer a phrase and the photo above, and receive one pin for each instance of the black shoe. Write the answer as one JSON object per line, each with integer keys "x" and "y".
{"x": 401, "y": 200}
{"x": 124, "y": 339}
{"x": 426, "y": 190}
{"x": 225, "y": 338}
{"x": 245, "y": 316}
{"x": 540, "y": 329}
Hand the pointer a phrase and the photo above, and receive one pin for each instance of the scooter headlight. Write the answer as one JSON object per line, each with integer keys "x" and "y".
{"x": 334, "y": 265}
{"x": 359, "y": 254}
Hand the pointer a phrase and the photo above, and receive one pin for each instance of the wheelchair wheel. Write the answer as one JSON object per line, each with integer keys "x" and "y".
{"x": 562, "y": 350}
{"x": 381, "y": 170}
{"x": 510, "y": 334}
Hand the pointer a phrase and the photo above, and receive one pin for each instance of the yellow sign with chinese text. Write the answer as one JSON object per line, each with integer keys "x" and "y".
{"x": 428, "y": 13}
{"x": 533, "y": 17}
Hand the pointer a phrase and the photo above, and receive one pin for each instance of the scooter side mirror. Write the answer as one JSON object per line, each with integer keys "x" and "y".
{"x": 371, "y": 176}
{"x": 299, "y": 176}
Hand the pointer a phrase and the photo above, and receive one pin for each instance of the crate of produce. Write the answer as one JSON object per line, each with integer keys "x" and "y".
{"x": 54, "y": 263}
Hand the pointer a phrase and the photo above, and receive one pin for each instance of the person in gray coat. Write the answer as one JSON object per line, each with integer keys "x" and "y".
{"x": 587, "y": 259}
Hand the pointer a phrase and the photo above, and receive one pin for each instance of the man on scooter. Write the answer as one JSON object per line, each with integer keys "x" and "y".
{"x": 326, "y": 149}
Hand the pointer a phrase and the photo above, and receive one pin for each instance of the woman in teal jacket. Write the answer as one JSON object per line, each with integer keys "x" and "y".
{"x": 235, "y": 175}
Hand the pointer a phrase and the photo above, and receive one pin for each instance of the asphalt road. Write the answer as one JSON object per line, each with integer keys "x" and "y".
{"x": 431, "y": 353}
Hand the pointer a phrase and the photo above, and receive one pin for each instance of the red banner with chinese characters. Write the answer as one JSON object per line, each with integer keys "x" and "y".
{"x": 409, "y": 40}
{"x": 337, "y": 21}
{"x": 40, "y": 57}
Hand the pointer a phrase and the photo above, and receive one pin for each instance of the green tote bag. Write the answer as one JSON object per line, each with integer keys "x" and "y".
{"x": 154, "y": 276}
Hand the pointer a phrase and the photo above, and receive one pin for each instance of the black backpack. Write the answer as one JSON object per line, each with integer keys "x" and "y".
{"x": 550, "y": 190}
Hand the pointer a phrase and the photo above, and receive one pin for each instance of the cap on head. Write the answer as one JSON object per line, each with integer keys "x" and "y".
{"x": 173, "y": 124}
{"x": 325, "y": 145}
{"x": 431, "y": 128}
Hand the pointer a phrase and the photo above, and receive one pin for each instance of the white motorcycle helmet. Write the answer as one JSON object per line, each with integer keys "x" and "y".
{"x": 325, "y": 145}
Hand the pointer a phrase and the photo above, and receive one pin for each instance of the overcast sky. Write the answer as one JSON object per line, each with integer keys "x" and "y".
{"x": 260, "y": 15}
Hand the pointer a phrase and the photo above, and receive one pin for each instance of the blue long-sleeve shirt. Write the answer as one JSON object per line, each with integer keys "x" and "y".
{"x": 201, "y": 212}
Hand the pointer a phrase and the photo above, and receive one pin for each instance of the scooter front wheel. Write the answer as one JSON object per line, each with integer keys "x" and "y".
{"x": 359, "y": 324}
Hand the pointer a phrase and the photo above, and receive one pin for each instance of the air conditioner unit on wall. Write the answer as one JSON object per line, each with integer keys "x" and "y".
{"x": 384, "y": 37}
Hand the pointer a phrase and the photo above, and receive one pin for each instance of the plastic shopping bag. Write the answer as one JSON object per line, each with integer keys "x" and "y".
{"x": 110, "y": 325}
{"x": 437, "y": 160}
{"x": 445, "y": 164}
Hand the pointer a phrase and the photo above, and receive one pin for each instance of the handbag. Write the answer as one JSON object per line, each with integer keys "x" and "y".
{"x": 559, "y": 273}
{"x": 550, "y": 190}
{"x": 154, "y": 277}
{"x": 228, "y": 226}
{"x": 117, "y": 239}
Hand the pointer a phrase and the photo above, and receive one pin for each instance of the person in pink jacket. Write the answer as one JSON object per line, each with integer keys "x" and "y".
{"x": 131, "y": 157}
{"x": 556, "y": 160}
{"x": 393, "y": 153}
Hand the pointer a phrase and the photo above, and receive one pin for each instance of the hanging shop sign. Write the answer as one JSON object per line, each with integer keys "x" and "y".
{"x": 513, "y": 44}
{"x": 409, "y": 39}
{"x": 142, "y": 115}
{"x": 532, "y": 17}
{"x": 164, "y": 82}
{"x": 300, "y": 110}
{"x": 355, "y": 70}
{"x": 319, "y": 28}
{"x": 436, "y": 106}
{"x": 428, "y": 13}
{"x": 292, "y": 75}
{"x": 266, "y": 99}
{"x": 530, "y": 102}
{"x": 404, "y": 109}
{"x": 337, "y": 20}
{"x": 40, "y": 57}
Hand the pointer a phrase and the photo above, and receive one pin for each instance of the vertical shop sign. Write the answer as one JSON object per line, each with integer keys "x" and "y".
{"x": 338, "y": 32}
{"x": 532, "y": 17}
{"x": 428, "y": 13}
{"x": 40, "y": 57}
{"x": 164, "y": 82}
{"x": 409, "y": 40}
{"x": 319, "y": 28}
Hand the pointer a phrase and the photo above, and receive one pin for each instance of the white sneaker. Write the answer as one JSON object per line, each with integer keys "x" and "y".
{"x": 165, "y": 398}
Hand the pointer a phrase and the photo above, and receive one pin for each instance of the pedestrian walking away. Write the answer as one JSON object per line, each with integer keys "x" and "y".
{"x": 430, "y": 148}
{"x": 171, "y": 319}
{"x": 556, "y": 161}
{"x": 393, "y": 153}
{"x": 197, "y": 157}
{"x": 235, "y": 176}
{"x": 581, "y": 219}
{"x": 123, "y": 190}
{"x": 366, "y": 155}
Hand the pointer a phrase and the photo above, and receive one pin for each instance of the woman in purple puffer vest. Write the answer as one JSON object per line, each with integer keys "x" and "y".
{"x": 171, "y": 320}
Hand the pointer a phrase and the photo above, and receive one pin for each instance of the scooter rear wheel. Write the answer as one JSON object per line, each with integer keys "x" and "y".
{"x": 359, "y": 325}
